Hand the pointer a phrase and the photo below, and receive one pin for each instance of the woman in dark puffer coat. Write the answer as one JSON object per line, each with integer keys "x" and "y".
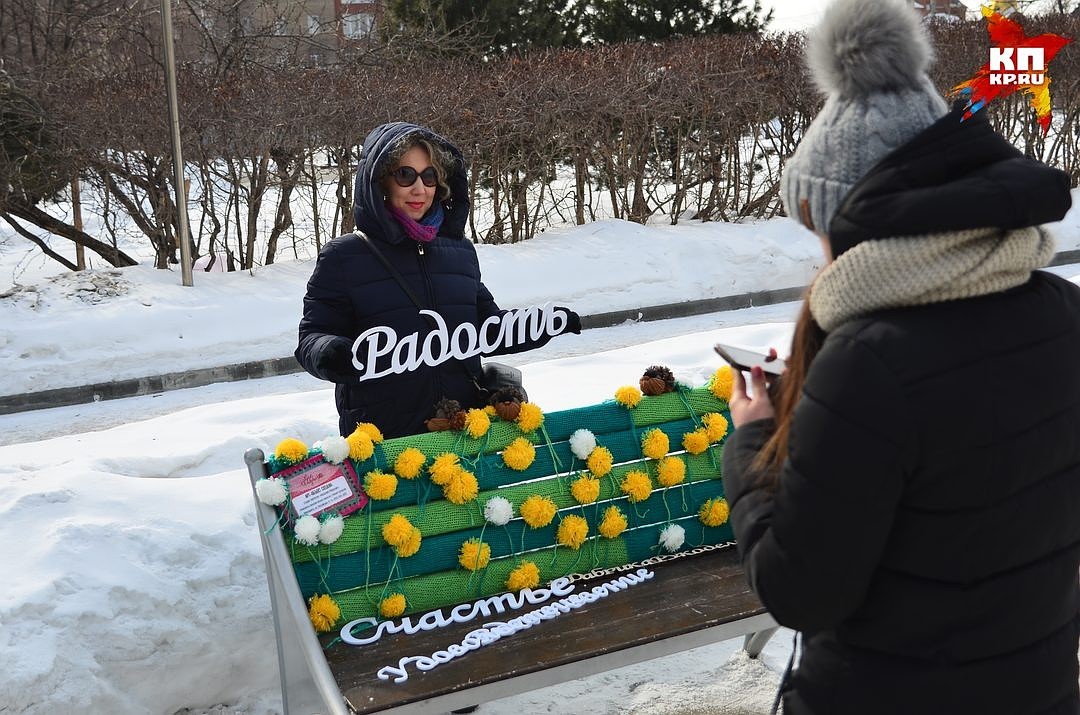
{"x": 910, "y": 502}
{"x": 411, "y": 201}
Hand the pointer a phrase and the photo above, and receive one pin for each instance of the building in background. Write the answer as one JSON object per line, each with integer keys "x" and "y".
{"x": 941, "y": 9}
{"x": 307, "y": 31}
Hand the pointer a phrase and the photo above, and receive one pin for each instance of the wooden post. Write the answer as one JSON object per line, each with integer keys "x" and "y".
{"x": 76, "y": 209}
{"x": 178, "y": 159}
{"x": 315, "y": 203}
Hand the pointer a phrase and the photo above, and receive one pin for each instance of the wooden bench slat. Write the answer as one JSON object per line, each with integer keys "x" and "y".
{"x": 689, "y": 598}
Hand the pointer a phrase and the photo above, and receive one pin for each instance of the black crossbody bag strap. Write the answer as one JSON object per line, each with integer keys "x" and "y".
{"x": 394, "y": 273}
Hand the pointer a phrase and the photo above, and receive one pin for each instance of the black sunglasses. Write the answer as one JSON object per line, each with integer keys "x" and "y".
{"x": 405, "y": 176}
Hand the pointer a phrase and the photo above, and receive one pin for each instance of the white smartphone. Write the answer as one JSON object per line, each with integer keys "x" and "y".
{"x": 743, "y": 359}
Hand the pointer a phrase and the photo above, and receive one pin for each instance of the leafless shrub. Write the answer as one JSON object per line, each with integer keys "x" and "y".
{"x": 694, "y": 128}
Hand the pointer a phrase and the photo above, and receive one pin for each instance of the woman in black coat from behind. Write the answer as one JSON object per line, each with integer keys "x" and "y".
{"x": 411, "y": 202}
{"x": 909, "y": 502}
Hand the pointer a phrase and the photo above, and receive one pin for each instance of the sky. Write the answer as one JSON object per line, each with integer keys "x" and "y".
{"x": 134, "y": 550}
{"x": 790, "y": 15}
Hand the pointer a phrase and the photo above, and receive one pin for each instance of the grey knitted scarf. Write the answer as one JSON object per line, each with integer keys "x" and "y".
{"x": 920, "y": 270}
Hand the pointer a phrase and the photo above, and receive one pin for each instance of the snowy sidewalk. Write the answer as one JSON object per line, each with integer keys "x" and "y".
{"x": 256, "y": 369}
{"x": 271, "y": 367}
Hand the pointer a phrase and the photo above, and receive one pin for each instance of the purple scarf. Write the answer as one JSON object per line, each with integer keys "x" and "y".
{"x": 424, "y": 230}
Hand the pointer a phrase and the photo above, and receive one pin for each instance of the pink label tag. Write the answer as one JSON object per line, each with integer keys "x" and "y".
{"x": 317, "y": 487}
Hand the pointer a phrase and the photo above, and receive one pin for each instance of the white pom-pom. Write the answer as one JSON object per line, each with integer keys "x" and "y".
{"x": 582, "y": 443}
{"x": 271, "y": 491}
{"x": 862, "y": 47}
{"x": 498, "y": 511}
{"x": 335, "y": 449}
{"x": 331, "y": 529}
{"x": 307, "y": 531}
{"x": 672, "y": 537}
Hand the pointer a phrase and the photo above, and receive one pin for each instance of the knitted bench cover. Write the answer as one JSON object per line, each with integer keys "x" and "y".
{"x": 676, "y": 492}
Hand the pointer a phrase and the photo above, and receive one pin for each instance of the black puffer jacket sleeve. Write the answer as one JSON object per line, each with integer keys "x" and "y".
{"x": 327, "y": 315}
{"x": 754, "y": 515}
{"x": 810, "y": 550}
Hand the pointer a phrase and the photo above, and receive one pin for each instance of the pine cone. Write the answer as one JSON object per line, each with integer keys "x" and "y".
{"x": 508, "y": 410}
{"x": 657, "y": 380}
{"x": 510, "y": 393}
{"x": 507, "y": 402}
{"x": 457, "y": 420}
{"x": 437, "y": 424}
{"x": 447, "y": 408}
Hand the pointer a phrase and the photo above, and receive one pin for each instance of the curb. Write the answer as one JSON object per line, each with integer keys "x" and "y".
{"x": 256, "y": 369}
{"x": 140, "y": 386}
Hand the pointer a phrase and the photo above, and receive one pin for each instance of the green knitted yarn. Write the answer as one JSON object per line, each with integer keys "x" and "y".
{"x": 431, "y": 591}
{"x": 440, "y": 517}
{"x": 491, "y": 472}
{"x": 360, "y": 570}
{"x": 432, "y": 444}
{"x": 440, "y": 553}
{"x": 600, "y": 419}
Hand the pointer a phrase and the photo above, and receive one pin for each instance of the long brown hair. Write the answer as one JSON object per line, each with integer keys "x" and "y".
{"x": 807, "y": 341}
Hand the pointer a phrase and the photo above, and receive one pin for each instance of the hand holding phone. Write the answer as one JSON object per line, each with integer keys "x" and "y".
{"x": 743, "y": 360}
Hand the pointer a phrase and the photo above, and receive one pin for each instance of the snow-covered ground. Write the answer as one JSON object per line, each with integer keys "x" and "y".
{"x": 67, "y": 329}
{"x": 134, "y": 580}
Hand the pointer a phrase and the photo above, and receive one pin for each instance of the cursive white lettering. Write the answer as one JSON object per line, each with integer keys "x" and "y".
{"x": 514, "y": 327}
{"x": 491, "y": 632}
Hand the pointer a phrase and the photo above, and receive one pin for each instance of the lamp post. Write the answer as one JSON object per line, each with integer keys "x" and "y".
{"x": 178, "y": 156}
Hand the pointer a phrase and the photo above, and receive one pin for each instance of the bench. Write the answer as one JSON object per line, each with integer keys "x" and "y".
{"x": 631, "y": 599}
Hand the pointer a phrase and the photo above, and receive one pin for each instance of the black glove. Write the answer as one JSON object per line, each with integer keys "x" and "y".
{"x": 335, "y": 359}
{"x": 573, "y": 320}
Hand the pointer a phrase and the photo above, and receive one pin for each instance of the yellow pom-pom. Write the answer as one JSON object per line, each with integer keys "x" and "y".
{"x": 379, "y": 485}
{"x": 613, "y": 523}
{"x": 324, "y": 613}
{"x": 461, "y": 488}
{"x": 409, "y": 463}
{"x": 474, "y": 555}
{"x": 411, "y": 545}
{"x": 670, "y": 471}
{"x": 524, "y": 576}
{"x": 600, "y": 461}
{"x": 572, "y": 531}
{"x": 628, "y": 396}
{"x": 723, "y": 380}
{"x": 636, "y": 485}
{"x": 538, "y": 511}
{"x": 655, "y": 444}
{"x": 360, "y": 445}
{"x": 477, "y": 423}
{"x": 716, "y": 426}
{"x": 490, "y": 411}
{"x": 696, "y": 442}
{"x": 519, "y": 454}
{"x": 371, "y": 431}
{"x": 397, "y": 531}
{"x": 530, "y": 417}
{"x": 585, "y": 489}
{"x": 444, "y": 467}
{"x": 714, "y": 512}
{"x": 291, "y": 450}
{"x": 392, "y": 606}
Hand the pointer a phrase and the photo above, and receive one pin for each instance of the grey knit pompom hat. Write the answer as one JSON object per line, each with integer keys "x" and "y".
{"x": 869, "y": 57}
